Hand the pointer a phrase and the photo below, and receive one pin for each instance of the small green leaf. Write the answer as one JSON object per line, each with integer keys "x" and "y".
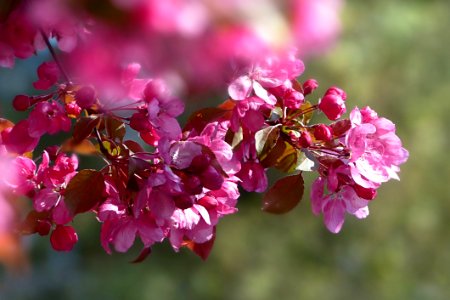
{"x": 85, "y": 191}
{"x": 284, "y": 195}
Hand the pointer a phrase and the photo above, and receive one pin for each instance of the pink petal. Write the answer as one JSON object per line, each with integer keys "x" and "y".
{"x": 334, "y": 215}
{"x": 240, "y": 88}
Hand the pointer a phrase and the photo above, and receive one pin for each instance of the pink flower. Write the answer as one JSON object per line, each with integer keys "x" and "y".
{"x": 48, "y": 73}
{"x": 270, "y": 73}
{"x": 18, "y": 139}
{"x": 24, "y": 181}
{"x": 334, "y": 205}
{"x": 376, "y": 151}
{"x": 48, "y": 117}
{"x": 253, "y": 176}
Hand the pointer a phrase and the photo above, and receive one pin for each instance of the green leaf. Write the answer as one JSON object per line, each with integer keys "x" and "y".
{"x": 85, "y": 191}
{"x": 266, "y": 139}
{"x": 284, "y": 195}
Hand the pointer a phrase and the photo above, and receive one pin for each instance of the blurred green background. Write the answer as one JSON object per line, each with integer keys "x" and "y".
{"x": 392, "y": 56}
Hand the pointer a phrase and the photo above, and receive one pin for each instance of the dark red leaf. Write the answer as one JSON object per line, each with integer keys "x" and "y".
{"x": 284, "y": 195}
{"x": 199, "y": 119}
{"x": 115, "y": 128}
{"x": 341, "y": 127}
{"x": 142, "y": 256}
{"x": 83, "y": 128}
{"x": 85, "y": 191}
{"x": 203, "y": 250}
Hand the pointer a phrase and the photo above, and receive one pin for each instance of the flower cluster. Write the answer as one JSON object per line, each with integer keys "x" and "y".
{"x": 161, "y": 181}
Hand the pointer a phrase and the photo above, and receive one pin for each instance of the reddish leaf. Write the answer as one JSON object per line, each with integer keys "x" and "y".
{"x": 341, "y": 127}
{"x": 203, "y": 250}
{"x": 115, "y": 128}
{"x": 84, "y": 191}
{"x": 284, "y": 195}
{"x": 142, "y": 256}
{"x": 83, "y": 128}
{"x": 133, "y": 146}
{"x": 271, "y": 158}
{"x": 84, "y": 147}
{"x": 199, "y": 119}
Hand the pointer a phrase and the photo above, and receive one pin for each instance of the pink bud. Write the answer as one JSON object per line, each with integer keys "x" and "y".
{"x": 154, "y": 89}
{"x": 43, "y": 227}
{"x": 305, "y": 139}
{"x": 332, "y": 106}
{"x": 63, "y": 238}
{"x": 293, "y": 99}
{"x": 323, "y": 132}
{"x": 73, "y": 109}
{"x": 199, "y": 163}
{"x": 211, "y": 179}
{"x": 21, "y": 102}
{"x": 336, "y": 91}
{"x": 85, "y": 97}
{"x": 192, "y": 185}
{"x": 184, "y": 201}
{"x": 309, "y": 86}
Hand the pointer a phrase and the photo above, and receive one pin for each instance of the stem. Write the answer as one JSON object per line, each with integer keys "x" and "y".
{"x": 55, "y": 58}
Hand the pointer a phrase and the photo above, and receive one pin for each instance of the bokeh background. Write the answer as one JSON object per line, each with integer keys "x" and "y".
{"x": 392, "y": 56}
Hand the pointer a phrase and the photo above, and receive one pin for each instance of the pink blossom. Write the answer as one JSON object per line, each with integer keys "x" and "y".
{"x": 376, "y": 151}
{"x": 270, "y": 73}
{"x": 316, "y": 24}
{"x": 48, "y": 73}
{"x": 24, "y": 181}
{"x": 48, "y": 117}
{"x": 334, "y": 205}
{"x": 18, "y": 139}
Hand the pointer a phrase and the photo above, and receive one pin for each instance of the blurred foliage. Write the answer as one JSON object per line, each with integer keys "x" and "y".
{"x": 393, "y": 56}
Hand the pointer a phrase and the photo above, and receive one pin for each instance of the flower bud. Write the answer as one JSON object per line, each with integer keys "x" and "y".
{"x": 43, "y": 227}
{"x": 323, "y": 132}
{"x": 208, "y": 202}
{"x": 336, "y": 91}
{"x": 21, "y": 102}
{"x": 199, "y": 163}
{"x": 154, "y": 89}
{"x": 72, "y": 109}
{"x": 184, "y": 201}
{"x": 192, "y": 185}
{"x": 293, "y": 99}
{"x": 332, "y": 106}
{"x": 85, "y": 97}
{"x": 305, "y": 139}
{"x": 63, "y": 238}
{"x": 211, "y": 178}
{"x": 309, "y": 86}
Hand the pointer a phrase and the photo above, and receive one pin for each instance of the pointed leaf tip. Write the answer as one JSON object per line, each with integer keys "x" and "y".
{"x": 284, "y": 195}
